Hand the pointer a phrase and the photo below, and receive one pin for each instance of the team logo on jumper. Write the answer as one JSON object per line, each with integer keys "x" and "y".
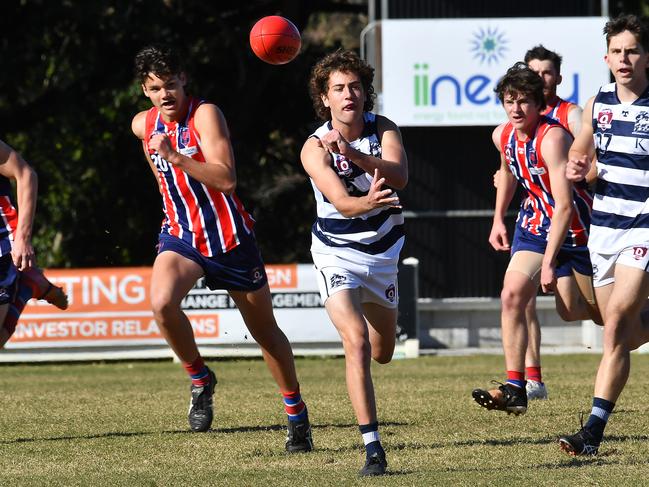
{"x": 604, "y": 119}
{"x": 641, "y": 123}
{"x": 343, "y": 166}
{"x": 508, "y": 152}
{"x": 257, "y": 275}
{"x": 531, "y": 156}
{"x": 391, "y": 293}
{"x": 639, "y": 252}
{"x": 337, "y": 280}
{"x": 183, "y": 136}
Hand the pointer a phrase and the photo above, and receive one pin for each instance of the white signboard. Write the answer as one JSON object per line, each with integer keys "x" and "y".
{"x": 443, "y": 72}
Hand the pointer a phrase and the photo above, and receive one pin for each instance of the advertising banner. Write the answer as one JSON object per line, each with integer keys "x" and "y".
{"x": 111, "y": 308}
{"x": 443, "y": 72}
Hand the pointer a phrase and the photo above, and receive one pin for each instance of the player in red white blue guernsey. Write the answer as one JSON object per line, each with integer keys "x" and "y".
{"x": 20, "y": 279}
{"x": 356, "y": 161}
{"x": 616, "y": 130}
{"x": 549, "y": 245}
{"x": 206, "y": 232}
{"x": 547, "y": 64}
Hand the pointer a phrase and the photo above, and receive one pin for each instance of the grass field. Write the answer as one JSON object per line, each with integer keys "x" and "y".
{"x": 125, "y": 424}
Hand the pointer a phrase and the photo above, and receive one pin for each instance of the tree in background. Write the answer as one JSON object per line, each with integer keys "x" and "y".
{"x": 67, "y": 95}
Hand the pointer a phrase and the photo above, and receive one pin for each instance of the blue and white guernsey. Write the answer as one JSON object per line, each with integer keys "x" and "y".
{"x": 621, "y": 205}
{"x": 374, "y": 237}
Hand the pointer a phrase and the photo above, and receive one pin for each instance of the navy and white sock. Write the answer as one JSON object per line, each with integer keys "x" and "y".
{"x": 371, "y": 438}
{"x": 598, "y": 418}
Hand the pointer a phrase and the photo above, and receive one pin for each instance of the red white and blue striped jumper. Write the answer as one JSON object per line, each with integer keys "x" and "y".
{"x": 209, "y": 220}
{"x": 8, "y": 216}
{"x": 526, "y": 163}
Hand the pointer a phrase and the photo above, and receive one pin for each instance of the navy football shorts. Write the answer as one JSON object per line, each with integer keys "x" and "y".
{"x": 8, "y": 279}
{"x": 568, "y": 258}
{"x": 240, "y": 269}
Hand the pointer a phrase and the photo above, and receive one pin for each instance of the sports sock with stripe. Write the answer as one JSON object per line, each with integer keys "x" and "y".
{"x": 516, "y": 378}
{"x": 16, "y": 307}
{"x": 371, "y": 438}
{"x": 598, "y": 418}
{"x": 198, "y": 372}
{"x": 294, "y": 405}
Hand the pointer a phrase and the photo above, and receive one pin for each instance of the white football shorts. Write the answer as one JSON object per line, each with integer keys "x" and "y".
{"x": 636, "y": 256}
{"x": 377, "y": 282}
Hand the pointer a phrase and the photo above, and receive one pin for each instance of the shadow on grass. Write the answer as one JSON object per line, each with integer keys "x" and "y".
{"x": 110, "y": 434}
{"x": 127, "y": 434}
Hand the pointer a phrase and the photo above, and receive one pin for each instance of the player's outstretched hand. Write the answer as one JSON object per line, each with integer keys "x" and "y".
{"x": 498, "y": 237}
{"x": 577, "y": 168}
{"x": 377, "y": 197}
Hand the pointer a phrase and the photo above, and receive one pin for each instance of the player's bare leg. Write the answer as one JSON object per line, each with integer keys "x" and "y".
{"x": 518, "y": 289}
{"x": 172, "y": 278}
{"x": 362, "y": 342}
{"x": 257, "y": 312}
{"x": 43, "y": 288}
{"x": 382, "y": 330}
{"x": 622, "y": 303}
{"x": 535, "y": 388}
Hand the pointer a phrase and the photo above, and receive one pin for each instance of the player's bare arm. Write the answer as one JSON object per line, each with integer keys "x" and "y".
{"x": 582, "y": 149}
{"x": 498, "y": 237}
{"x": 393, "y": 164}
{"x": 13, "y": 166}
{"x": 218, "y": 171}
{"x": 555, "y": 146}
{"x": 575, "y": 120}
{"x": 316, "y": 161}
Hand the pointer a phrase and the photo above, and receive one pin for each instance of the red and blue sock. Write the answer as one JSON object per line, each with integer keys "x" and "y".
{"x": 16, "y": 307}
{"x": 198, "y": 372}
{"x": 516, "y": 378}
{"x": 534, "y": 373}
{"x": 371, "y": 438}
{"x": 294, "y": 406}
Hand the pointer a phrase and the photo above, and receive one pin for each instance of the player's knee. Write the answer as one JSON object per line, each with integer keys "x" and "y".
{"x": 511, "y": 298}
{"x": 161, "y": 305}
{"x": 357, "y": 348}
{"x": 383, "y": 356}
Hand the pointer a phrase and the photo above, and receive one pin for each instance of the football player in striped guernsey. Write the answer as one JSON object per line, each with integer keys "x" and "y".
{"x": 20, "y": 279}
{"x": 356, "y": 161}
{"x": 547, "y": 64}
{"x": 206, "y": 232}
{"x": 616, "y": 129}
{"x": 549, "y": 243}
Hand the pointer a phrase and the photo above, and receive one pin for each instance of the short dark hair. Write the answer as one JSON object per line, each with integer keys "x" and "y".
{"x": 345, "y": 62}
{"x": 520, "y": 79}
{"x": 542, "y": 54}
{"x": 158, "y": 59}
{"x": 634, "y": 24}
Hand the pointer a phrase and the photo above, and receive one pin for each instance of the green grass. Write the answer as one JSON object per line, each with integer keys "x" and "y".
{"x": 125, "y": 424}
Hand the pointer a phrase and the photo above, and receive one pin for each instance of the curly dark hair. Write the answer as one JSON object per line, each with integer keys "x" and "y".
{"x": 161, "y": 60}
{"x": 345, "y": 62}
{"x": 542, "y": 54}
{"x": 520, "y": 79}
{"x": 634, "y": 24}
